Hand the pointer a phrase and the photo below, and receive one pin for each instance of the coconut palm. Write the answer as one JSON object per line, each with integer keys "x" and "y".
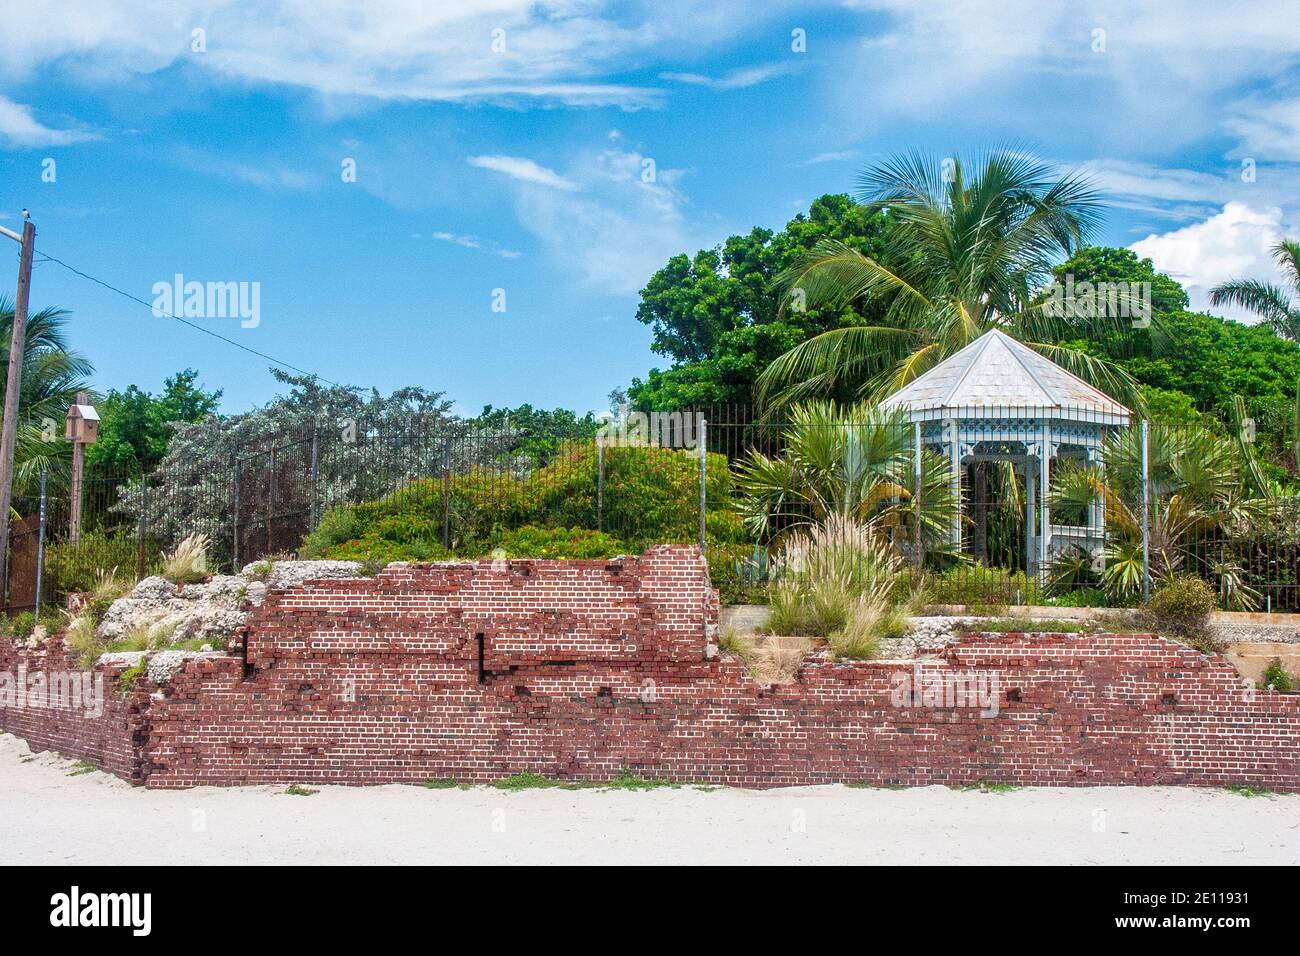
{"x": 1269, "y": 301}
{"x": 851, "y": 463}
{"x": 52, "y": 375}
{"x": 968, "y": 252}
{"x": 1201, "y": 499}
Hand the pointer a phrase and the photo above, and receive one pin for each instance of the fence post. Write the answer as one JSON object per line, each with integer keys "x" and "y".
{"x": 140, "y": 525}
{"x": 446, "y": 494}
{"x": 916, "y": 493}
{"x": 704, "y": 470}
{"x": 234, "y": 547}
{"x": 600, "y": 483}
{"x": 314, "y": 515}
{"x": 270, "y": 508}
{"x": 1146, "y": 515}
{"x": 40, "y": 547}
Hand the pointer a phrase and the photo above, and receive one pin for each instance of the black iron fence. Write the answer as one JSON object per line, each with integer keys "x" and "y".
{"x": 962, "y": 495}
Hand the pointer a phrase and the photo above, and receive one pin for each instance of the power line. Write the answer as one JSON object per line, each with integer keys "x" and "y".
{"x": 46, "y": 257}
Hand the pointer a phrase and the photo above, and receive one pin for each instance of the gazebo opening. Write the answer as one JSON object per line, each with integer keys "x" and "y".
{"x": 1007, "y": 419}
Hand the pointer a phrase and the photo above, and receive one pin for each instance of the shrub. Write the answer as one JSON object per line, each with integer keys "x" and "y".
{"x": 20, "y": 626}
{"x": 823, "y": 574}
{"x": 1276, "y": 677}
{"x": 1180, "y": 608}
{"x": 651, "y": 497}
{"x": 73, "y": 567}
{"x": 187, "y": 563}
{"x": 530, "y": 541}
{"x": 82, "y": 642}
{"x": 977, "y": 585}
{"x": 108, "y": 588}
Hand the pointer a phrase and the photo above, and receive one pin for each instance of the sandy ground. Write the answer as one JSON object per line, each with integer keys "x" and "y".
{"x": 49, "y": 813}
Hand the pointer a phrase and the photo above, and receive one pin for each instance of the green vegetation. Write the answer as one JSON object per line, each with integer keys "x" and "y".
{"x": 1242, "y": 790}
{"x": 53, "y": 373}
{"x": 82, "y": 767}
{"x": 625, "y": 780}
{"x": 135, "y": 426}
{"x": 718, "y": 316}
{"x": 441, "y": 783}
{"x": 968, "y": 250}
{"x": 187, "y": 563}
{"x": 294, "y": 790}
{"x": 1180, "y": 608}
{"x": 127, "y": 679}
{"x": 986, "y": 786}
{"x": 1276, "y": 677}
{"x": 651, "y": 496}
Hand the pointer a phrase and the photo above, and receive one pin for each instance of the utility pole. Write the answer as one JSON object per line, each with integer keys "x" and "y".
{"x": 13, "y": 387}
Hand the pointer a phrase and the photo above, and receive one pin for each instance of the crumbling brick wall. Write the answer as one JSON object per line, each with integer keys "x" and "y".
{"x": 581, "y": 668}
{"x": 114, "y": 739}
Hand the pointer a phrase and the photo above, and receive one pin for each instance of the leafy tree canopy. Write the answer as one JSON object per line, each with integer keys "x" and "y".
{"x": 718, "y": 317}
{"x": 136, "y": 426}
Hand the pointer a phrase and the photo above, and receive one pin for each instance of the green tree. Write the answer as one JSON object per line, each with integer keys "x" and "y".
{"x": 969, "y": 251}
{"x": 53, "y": 373}
{"x": 1269, "y": 301}
{"x": 136, "y": 426}
{"x": 718, "y": 317}
{"x": 536, "y": 433}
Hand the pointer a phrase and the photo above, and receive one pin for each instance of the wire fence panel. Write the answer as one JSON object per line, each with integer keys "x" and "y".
{"x": 986, "y": 505}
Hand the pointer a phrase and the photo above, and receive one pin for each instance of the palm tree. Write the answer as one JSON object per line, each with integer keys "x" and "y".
{"x": 1270, "y": 302}
{"x": 52, "y": 375}
{"x": 1201, "y": 504}
{"x": 850, "y": 464}
{"x": 967, "y": 253}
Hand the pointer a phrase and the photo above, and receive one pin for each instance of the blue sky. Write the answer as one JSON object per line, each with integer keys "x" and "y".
{"x": 501, "y": 145}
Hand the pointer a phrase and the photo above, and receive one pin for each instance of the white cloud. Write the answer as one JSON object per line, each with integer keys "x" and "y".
{"x": 472, "y": 242}
{"x": 1232, "y": 244}
{"x": 839, "y": 156}
{"x": 621, "y": 227}
{"x": 525, "y": 170}
{"x": 567, "y": 51}
{"x": 738, "y": 79}
{"x": 20, "y": 129}
{"x": 1156, "y": 75}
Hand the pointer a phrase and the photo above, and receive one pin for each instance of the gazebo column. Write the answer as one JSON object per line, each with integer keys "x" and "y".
{"x": 1045, "y": 516}
{"x": 1031, "y": 531}
{"x": 1097, "y": 514}
{"x": 952, "y": 444}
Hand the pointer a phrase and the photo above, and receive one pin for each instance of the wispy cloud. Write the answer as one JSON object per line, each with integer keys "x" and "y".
{"x": 20, "y": 129}
{"x": 839, "y": 156}
{"x": 520, "y": 51}
{"x": 472, "y": 242}
{"x": 524, "y": 170}
{"x": 621, "y": 226}
{"x": 738, "y": 79}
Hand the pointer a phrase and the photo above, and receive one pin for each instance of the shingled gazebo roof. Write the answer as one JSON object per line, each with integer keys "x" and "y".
{"x": 996, "y": 376}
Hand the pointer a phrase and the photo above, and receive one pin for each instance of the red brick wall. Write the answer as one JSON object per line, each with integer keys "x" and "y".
{"x": 114, "y": 739}
{"x": 589, "y": 667}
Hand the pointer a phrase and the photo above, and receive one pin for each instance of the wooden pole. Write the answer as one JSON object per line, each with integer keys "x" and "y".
{"x": 78, "y": 476}
{"x": 13, "y": 387}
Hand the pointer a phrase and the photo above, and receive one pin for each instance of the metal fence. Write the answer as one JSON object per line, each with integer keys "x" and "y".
{"x": 964, "y": 495}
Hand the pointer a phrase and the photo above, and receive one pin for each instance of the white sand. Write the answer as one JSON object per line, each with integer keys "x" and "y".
{"x": 47, "y": 816}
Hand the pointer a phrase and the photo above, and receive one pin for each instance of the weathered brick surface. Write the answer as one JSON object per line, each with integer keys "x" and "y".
{"x": 588, "y": 667}
{"x": 114, "y": 739}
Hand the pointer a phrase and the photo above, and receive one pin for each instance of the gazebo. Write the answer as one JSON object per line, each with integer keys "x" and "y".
{"x": 999, "y": 400}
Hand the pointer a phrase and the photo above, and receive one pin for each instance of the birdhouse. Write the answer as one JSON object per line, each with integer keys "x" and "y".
{"x": 83, "y": 422}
